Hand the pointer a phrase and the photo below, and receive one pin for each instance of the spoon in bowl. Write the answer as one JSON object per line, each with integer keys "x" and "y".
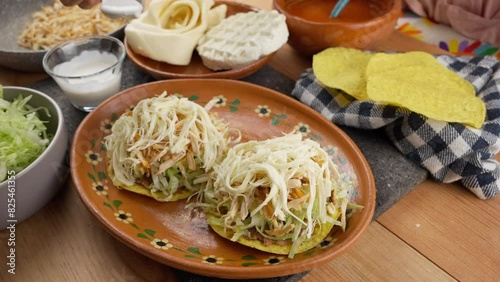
{"x": 338, "y": 8}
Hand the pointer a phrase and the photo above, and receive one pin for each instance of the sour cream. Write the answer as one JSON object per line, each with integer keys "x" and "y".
{"x": 89, "y": 78}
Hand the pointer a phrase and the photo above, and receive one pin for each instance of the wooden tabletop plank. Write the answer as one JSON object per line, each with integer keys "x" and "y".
{"x": 10, "y": 77}
{"x": 71, "y": 245}
{"x": 451, "y": 227}
{"x": 379, "y": 256}
{"x": 63, "y": 242}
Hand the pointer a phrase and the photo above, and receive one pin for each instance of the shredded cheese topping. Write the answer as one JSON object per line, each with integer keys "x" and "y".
{"x": 280, "y": 188}
{"x": 57, "y": 23}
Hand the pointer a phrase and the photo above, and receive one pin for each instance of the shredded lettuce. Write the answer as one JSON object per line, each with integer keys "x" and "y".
{"x": 23, "y": 136}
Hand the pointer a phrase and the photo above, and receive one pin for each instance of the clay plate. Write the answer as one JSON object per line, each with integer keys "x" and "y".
{"x": 196, "y": 69}
{"x": 180, "y": 237}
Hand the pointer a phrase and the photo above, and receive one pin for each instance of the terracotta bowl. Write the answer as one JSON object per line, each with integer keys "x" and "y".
{"x": 362, "y": 24}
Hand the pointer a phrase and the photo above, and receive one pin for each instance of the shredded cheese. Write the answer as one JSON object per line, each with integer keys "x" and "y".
{"x": 57, "y": 23}
{"x": 286, "y": 185}
{"x": 160, "y": 132}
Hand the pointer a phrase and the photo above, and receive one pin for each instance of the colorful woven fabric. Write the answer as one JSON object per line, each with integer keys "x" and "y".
{"x": 444, "y": 37}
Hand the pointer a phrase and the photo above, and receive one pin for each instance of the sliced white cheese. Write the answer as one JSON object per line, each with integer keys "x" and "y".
{"x": 170, "y": 29}
{"x": 242, "y": 38}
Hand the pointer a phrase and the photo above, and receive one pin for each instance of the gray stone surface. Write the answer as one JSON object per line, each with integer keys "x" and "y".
{"x": 394, "y": 175}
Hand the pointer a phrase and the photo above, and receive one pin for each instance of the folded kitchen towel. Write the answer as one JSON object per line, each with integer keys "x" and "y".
{"x": 449, "y": 151}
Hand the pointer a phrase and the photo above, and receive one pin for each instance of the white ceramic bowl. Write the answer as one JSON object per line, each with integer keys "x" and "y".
{"x": 36, "y": 185}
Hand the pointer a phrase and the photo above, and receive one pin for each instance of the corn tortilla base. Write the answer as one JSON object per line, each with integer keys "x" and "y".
{"x": 182, "y": 193}
{"x": 319, "y": 234}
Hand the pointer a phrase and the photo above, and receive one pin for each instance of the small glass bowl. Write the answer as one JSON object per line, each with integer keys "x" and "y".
{"x": 87, "y": 69}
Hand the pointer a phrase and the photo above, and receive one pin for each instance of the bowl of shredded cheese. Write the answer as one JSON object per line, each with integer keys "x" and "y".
{"x": 34, "y": 26}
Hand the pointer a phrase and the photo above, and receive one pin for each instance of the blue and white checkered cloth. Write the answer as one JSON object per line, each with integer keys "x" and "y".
{"x": 449, "y": 151}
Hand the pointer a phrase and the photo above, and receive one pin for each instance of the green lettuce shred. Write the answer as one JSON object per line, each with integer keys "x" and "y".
{"x": 23, "y": 136}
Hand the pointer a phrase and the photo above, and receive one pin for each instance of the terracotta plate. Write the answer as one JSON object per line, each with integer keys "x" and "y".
{"x": 196, "y": 69}
{"x": 180, "y": 237}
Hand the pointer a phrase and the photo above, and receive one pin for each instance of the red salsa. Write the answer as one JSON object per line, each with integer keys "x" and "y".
{"x": 319, "y": 10}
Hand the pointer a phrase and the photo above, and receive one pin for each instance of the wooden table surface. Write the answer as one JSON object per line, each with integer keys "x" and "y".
{"x": 438, "y": 232}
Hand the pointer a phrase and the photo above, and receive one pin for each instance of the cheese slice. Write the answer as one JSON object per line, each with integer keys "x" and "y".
{"x": 242, "y": 39}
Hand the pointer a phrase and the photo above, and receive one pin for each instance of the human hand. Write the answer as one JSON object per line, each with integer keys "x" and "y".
{"x": 84, "y": 4}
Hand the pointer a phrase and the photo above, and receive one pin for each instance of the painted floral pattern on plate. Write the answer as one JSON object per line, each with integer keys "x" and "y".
{"x": 95, "y": 160}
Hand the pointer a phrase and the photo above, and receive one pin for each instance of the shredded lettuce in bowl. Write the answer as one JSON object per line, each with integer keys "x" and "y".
{"x": 23, "y": 136}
